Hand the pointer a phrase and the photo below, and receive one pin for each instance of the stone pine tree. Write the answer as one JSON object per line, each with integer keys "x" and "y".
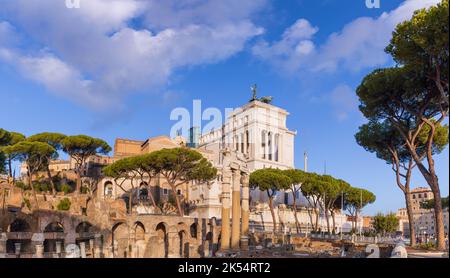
{"x": 80, "y": 148}
{"x": 144, "y": 167}
{"x": 312, "y": 188}
{"x": 54, "y": 140}
{"x": 385, "y": 141}
{"x": 355, "y": 200}
{"x": 14, "y": 138}
{"x": 34, "y": 155}
{"x": 270, "y": 181}
{"x": 297, "y": 178}
{"x": 5, "y": 137}
{"x": 414, "y": 95}
{"x": 180, "y": 166}
{"x": 121, "y": 171}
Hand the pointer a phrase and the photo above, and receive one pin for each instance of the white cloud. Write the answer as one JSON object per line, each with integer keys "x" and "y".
{"x": 344, "y": 102}
{"x": 360, "y": 44}
{"x": 292, "y": 49}
{"x": 94, "y": 55}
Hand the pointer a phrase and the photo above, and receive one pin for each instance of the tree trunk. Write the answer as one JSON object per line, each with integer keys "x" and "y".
{"x": 174, "y": 191}
{"x": 310, "y": 218}
{"x": 409, "y": 210}
{"x": 273, "y": 214}
{"x": 334, "y": 222}
{"x": 316, "y": 226}
{"x": 432, "y": 180}
{"x": 30, "y": 183}
{"x": 328, "y": 220}
{"x": 10, "y": 168}
{"x": 78, "y": 186}
{"x": 297, "y": 224}
{"x": 49, "y": 175}
{"x": 438, "y": 215}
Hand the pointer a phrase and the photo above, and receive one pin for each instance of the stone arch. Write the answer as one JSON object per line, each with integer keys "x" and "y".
{"x": 84, "y": 227}
{"x": 108, "y": 190}
{"x": 19, "y": 226}
{"x": 184, "y": 244}
{"x": 208, "y": 244}
{"x": 54, "y": 235}
{"x": 143, "y": 192}
{"x": 139, "y": 239}
{"x": 139, "y": 231}
{"x": 193, "y": 229}
{"x": 119, "y": 240}
{"x": 22, "y": 245}
{"x": 158, "y": 244}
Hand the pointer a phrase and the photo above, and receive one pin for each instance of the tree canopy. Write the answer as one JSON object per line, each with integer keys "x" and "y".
{"x": 413, "y": 96}
{"x": 385, "y": 224}
{"x": 178, "y": 165}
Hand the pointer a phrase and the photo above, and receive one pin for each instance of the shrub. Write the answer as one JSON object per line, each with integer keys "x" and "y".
{"x": 64, "y": 204}
{"x": 64, "y": 188}
{"x": 41, "y": 187}
{"x": 84, "y": 189}
{"x": 27, "y": 203}
{"x": 22, "y": 185}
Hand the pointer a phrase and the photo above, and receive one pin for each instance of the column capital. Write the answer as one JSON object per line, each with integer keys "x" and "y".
{"x": 245, "y": 179}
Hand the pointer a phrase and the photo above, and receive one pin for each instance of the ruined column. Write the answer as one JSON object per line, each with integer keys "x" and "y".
{"x": 37, "y": 240}
{"x": 98, "y": 246}
{"x": 83, "y": 249}
{"x": 236, "y": 210}
{"x": 3, "y": 239}
{"x": 39, "y": 250}
{"x": 225, "y": 234}
{"x": 245, "y": 211}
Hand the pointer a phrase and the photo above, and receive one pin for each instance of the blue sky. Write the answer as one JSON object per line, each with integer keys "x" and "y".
{"x": 118, "y": 68}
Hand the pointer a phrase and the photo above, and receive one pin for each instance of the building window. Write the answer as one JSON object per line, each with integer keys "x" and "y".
{"x": 179, "y": 192}
{"x": 425, "y": 195}
{"x": 263, "y": 144}
{"x": 165, "y": 191}
{"x": 277, "y": 142}
{"x": 269, "y": 144}
{"x": 414, "y": 196}
{"x": 247, "y": 138}
{"x": 108, "y": 190}
{"x": 420, "y": 195}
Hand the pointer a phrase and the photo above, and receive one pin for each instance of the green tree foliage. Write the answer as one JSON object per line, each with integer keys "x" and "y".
{"x": 421, "y": 45}
{"x": 414, "y": 96}
{"x": 34, "y": 154}
{"x": 64, "y": 204}
{"x": 270, "y": 181}
{"x": 429, "y": 204}
{"x": 54, "y": 140}
{"x": 80, "y": 148}
{"x": 297, "y": 177}
{"x": 385, "y": 224}
{"x": 383, "y": 139}
{"x": 178, "y": 166}
{"x": 8, "y": 139}
{"x": 355, "y": 200}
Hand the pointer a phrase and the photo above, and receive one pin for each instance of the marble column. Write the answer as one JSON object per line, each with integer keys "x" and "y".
{"x": 245, "y": 211}
{"x": 236, "y": 210}
{"x": 225, "y": 234}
